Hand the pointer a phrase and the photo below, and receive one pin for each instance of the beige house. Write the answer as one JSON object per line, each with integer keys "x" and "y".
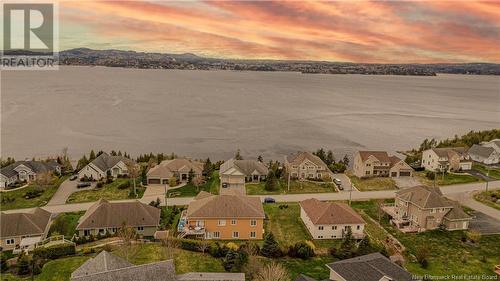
{"x": 227, "y": 217}
{"x": 446, "y": 158}
{"x": 23, "y": 230}
{"x": 422, "y": 208}
{"x": 179, "y": 167}
{"x": 327, "y": 220}
{"x": 104, "y": 165}
{"x": 235, "y": 173}
{"x": 379, "y": 164}
{"x": 305, "y": 165}
{"x": 26, "y": 171}
{"x": 105, "y": 216}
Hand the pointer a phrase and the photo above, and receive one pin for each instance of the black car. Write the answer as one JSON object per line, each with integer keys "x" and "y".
{"x": 83, "y": 184}
{"x": 73, "y": 177}
{"x": 269, "y": 200}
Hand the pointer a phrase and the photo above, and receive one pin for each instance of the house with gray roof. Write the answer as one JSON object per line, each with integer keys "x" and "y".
{"x": 305, "y": 165}
{"x": 235, "y": 173}
{"x": 108, "y": 267}
{"x": 16, "y": 227}
{"x": 484, "y": 154}
{"x": 105, "y": 216}
{"x": 422, "y": 208}
{"x": 178, "y": 167}
{"x": 379, "y": 164}
{"x": 26, "y": 171}
{"x": 446, "y": 159}
{"x": 104, "y": 165}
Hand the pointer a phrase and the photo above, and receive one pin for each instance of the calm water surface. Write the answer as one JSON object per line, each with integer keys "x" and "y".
{"x": 201, "y": 113}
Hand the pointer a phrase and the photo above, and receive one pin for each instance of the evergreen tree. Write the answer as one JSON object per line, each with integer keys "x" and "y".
{"x": 271, "y": 181}
{"x": 348, "y": 247}
{"x": 237, "y": 156}
{"x": 113, "y": 153}
{"x": 270, "y": 248}
{"x": 260, "y": 159}
{"x": 82, "y": 163}
{"x": 346, "y": 160}
{"x": 92, "y": 155}
{"x": 321, "y": 154}
{"x": 190, "y": 176}
{"x": 330, "y": 159}
{"x": 208, "y": 168}
{"x": 144, "y": 177}
{"x": 365, "y": 247}
{"x": 23, "y": 264}
{"x": 119, "y": 153}
{"x": 230, "y": 261}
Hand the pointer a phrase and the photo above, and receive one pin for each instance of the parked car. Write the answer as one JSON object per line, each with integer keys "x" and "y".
{"x": 73, "y": 177}
{"x": 269, "y": 200}
{"x": 83, "y": 185}
{"x": 338, "y": 182}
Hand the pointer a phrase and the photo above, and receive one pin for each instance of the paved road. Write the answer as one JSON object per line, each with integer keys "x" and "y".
{"x": 64, "y": 191}
{"x": 460, "y": 192}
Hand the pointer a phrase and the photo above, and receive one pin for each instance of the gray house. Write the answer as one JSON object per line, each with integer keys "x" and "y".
{"x": 26, "y": 171}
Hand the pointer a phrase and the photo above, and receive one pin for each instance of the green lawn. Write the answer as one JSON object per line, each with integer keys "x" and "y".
{"x": 489, "y": 198}
{"x": 492, "y": 172}
{"x": 190, "y": 190}
{"x": 449, "y": 178}
{"x": 55, "y": 270}
{"x": 108, "y": 192}
{"x": 448, "y": 253}
{"x": 314, "y": 267}
{"x": 295, "y": 187}
{"x": 65, "y": 224}
{"x": 375, "y": 183}
{"x": 20, "y": 201}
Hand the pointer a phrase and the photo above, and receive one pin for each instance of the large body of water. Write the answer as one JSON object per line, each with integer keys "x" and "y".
{"x": 213, "y": 113}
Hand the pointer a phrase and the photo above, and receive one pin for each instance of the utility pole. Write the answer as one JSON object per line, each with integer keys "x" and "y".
{"x": 166, "y": 194}
{"x": 487, "y": 177}
{"x": 288, "y": 181}
{"x": 350, "y": 194}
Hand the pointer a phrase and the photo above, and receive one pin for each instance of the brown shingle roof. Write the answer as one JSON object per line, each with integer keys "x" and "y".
{"x": 106, "y": 214}
{"x": 19, "y": 224}
{"x": 457, "y": 213}
{"x": 298, "y": 158}
{"x": 446, "y": 151}
{"x": 424, "y": 197}
{"x": 168, "y": 168}
{"x": 330, "y": 213}
{"x": 225, "y": 206}
{"x": 382, "y": 156}
{"x": 246, "y": 167}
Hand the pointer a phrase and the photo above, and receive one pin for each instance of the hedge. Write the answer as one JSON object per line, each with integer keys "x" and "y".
{"x": 56, "y": 251}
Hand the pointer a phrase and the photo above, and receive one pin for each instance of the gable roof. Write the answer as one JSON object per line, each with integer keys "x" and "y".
{"x": 225, "y": 206}
{"x": 457, "y": 213}
{"x": 381, "y": 156}
{"x": 247, "y": 167}
{"x": 36, "y": 166}
{"x": 108, "y": 267}
{"x": 481, "y": 151}
{"x": 444, "y": 152}
{"x": 424, "y": 197}
{"x": 301, "y": 156}
{"x": 105, "y": 161}
{"x": 20, "y": 224}
{"x": 106, "y": 214}
{"x": 303, "y": 277}
{"x": 167, "y": 168}
{"x": 371, "y": 267}
{"x": 211, "y": 276}
{"x": 329, "y": 212}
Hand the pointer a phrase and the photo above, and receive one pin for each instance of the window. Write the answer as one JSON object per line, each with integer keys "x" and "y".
{"x": 101, "y": 231}
{"x": 233, "y": 222}
{"x": 9, "y": 241}
{"x": 253, "y": 222}
{"x": 320, "y": 227}
{"x": 140, "y": 228}
{"x": 236, "y": 234}
{"x": 253, "y": 234}
{"x": 433, "y": 211}
{"x": 368, "y": 164}
{"x": 114, "y": 229}
{"x": 320, "y": 237}
{"x": 334, "y": 227}
{"x": 318, "y": 175}
{"x": 367, "y": 172}
{"x": 311, "y": 175}
{"x": 358, "y": 227}
{"x": 216, "y": 234}
{"x": 86, "y": 232}
{"x": 221, "y": 223}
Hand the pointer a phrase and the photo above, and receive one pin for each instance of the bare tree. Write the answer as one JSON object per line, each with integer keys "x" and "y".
{"x": 44, "y": 178}
{"x": 133, "y": 171}
{"x": 380, "y": 212}
{"x": 170, "y": 246}
{"x": 272, "y": 272}
{"x": 198, "y": 181}
{"x": 204, "y": 246}
{"x": 128, "y": 236}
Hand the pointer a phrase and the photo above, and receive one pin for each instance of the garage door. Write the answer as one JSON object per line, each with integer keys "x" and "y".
{"x": 153, "y": 181}
{"x": 404, "y": 174}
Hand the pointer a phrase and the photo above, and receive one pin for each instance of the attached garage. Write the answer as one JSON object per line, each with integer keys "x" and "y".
{"x": 404, "y": 174}
{"x": 153, "y": 181}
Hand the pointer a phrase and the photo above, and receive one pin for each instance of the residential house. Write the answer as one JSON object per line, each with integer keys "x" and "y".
{"x": 105, "y": 165}
{"x": 379, "y": 164}
{"x": 446, "y": 158}
{"x": 328, "y": 220}
{"x": 229, "y": 216}
{"x": 105, "y": 216}
{"x": 234, "y": 173}
{"x": 179, "y": 167}
{"x": 106, "y": 266}
{"x": 422, "y": 208}
{"x": 305, "y": 165}
{"x": 484, "y": 154}
{"x": 20, "y": 230}
{"x": 26, "y": 171}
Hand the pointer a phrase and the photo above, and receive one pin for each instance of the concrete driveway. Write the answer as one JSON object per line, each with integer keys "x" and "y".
{"x": 346, "y": 182}
{"x": 64, "y": 191}
{"x": 405, "y": 182}
{"x": 485, "y": 224}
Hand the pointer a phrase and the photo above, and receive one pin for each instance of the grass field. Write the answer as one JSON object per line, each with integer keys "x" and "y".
{"x": 489, "y": 198}
{"x": 492, "y": 172}
{"x": 190, "y": 190}
{"x": 55, "y": 270}
{"x": 295, "y": 187}
{"x": 108, "y": 192}
{"x": 375, "y": 183}
{"x": 449, "y": 178}
{"x": 20, "y": 201}
{"x": 65, "y": 224}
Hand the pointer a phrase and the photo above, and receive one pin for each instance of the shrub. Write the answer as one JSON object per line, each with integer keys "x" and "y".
{"x": 473, "y": 235}
{"x": 232, "y": 246}
{"x": 55, "y": 251}
{"x": 217, "y": 251}
{"x": 109, "y": 180}
{"x": 303, "y": 250}
{"x": 234, "y": 260}
{"x": 124, "y": 185}
{"x": 33, "y": 193}
{"x": 87, "y": 250}
{"x": 422, "y": 254}
{"x": 430, "y": 175}
{"x": 99, "y": 185}
{"x": 270, "y": 248}
{"x": 23, "y": 264}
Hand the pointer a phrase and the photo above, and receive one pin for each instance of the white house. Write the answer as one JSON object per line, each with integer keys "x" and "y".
{"x": 103, "y": 165}
{"x": 26, "y": 171}
{"x": 446, "y": 158}
{"x": 485, "y": 154}
{"x": 327, "y": 220}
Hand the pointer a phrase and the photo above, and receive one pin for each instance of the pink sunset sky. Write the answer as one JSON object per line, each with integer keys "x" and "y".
{"x": 356, "y": 31}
